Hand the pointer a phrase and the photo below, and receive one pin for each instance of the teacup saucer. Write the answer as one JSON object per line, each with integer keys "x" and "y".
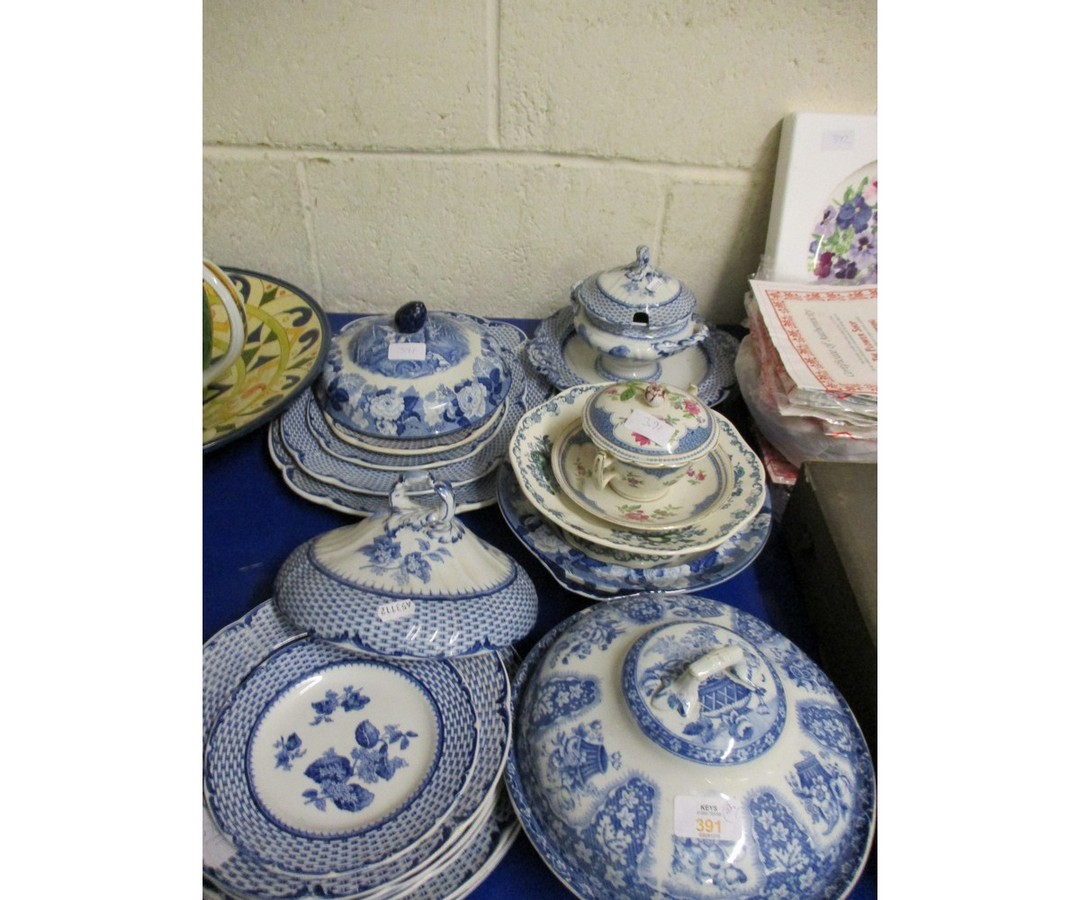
{"x": 704, "y": 485}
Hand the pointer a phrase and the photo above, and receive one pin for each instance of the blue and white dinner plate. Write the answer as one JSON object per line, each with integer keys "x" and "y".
{"x": 236, "y": 650}
{"x": 469, "y": 496}
{"x": 559, "y": 353}
{"x": 325, "y": 761}
{"x": 579, "y": 572}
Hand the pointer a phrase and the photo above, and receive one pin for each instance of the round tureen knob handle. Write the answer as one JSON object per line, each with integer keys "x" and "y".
{"x": 410, "y": 317}
{"x": 683, "y": 691}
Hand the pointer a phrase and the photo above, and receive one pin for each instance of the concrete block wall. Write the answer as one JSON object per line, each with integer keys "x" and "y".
{"x": 483, "y": 155}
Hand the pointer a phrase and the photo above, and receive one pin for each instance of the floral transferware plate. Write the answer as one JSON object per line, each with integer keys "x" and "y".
{"x": 579, "y": 570}
{"x": 560, "y": 354}
{"x": 237, "y": 649}
{"x": 530, "y": 456}
{"x": 327, "y": 435}
{"x": 287, "y": 341}
{"x": 324, "y": 761}
{"x": 469, "y": 496}
{"x": 680, "y": 747}
{"x": 702, "y": 486}
{"x": 844, "y": 244}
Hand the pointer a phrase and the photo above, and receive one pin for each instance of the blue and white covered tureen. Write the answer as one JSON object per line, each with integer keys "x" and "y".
{"x": 679, "y": 747}
{"x": 635, "y": 315}
{"x": 413, "y": 375}
{"x": 409, "y": 582}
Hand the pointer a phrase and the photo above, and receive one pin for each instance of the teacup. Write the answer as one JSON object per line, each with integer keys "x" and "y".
{"x": 632, "y": 481}
{"x": 224, "y": 322}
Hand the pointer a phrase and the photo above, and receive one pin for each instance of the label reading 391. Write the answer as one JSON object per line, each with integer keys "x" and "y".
{"x": 707, "y": 816}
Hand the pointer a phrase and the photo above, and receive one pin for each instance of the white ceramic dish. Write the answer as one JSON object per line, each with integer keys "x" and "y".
{"x": 701, "y": 487}
{"x": 679, "y": 747}
{"x": 586, "y": 571}
{"x": 530, "y": 456}
{"x": 560, "y": 355}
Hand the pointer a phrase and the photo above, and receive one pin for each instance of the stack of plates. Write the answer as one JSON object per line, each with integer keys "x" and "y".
{"x": 331, "y": 773}
{"x": 356, "y": 726}
{"x": 602, "y": 549}
{"x": 326, "y": 460}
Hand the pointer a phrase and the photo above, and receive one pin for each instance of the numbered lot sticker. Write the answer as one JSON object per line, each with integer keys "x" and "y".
{"x": 708, "y": 816}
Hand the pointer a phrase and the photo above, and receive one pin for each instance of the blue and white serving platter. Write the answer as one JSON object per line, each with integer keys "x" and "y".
{"x": 559, "y": 353}
{"x": 580, "y": 571}
{"x": 530, "y": 456}
{"x": 230, "y": 655}
{"x": 469, "y": 496}
{"x": 324, "y": 761}
{"x": 679, "y": 747}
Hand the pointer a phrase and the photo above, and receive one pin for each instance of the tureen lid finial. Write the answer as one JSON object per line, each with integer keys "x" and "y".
{"x": 410, "y": 317}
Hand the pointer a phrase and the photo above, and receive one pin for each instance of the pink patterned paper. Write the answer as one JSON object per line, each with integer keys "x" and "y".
{"x": 826, "y": 339}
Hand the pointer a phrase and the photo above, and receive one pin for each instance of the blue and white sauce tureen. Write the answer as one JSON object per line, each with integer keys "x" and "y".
{"x": 410, "y": 582}
{"x": 634, "y": 316}
{"x": 678, "y": 747}
{"x": 413, "y": 375}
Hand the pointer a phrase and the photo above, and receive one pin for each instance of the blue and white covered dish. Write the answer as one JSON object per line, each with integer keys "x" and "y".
{"x": 414, "y": 375}
{"x": 634, "y": 316}
{"x": 679, "y": 747}
{"x": 412, "y": 581}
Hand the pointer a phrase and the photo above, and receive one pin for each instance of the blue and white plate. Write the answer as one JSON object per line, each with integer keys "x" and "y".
{"x": 680, "y": 747}
{"x": 579, "y": 570}
{"x": 485, "y": 676}
{"x": 558, "y": 352}
{"x": 324, "y": 761}
{"x": 472, "y": 495}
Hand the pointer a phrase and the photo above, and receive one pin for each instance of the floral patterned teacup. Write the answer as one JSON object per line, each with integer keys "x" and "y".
{"x": 633, "y": 481}
{"x": 224, "y": 322}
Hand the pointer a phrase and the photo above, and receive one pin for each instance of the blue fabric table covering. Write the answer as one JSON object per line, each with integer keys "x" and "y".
{"x": 252, "y": 521}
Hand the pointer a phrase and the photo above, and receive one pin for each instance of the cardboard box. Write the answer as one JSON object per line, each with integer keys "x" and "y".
{"x": 830, "y": 528}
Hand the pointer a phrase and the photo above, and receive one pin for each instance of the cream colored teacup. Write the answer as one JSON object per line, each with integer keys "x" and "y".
{"x": 224, "y": 322}
{"x": 632, "y": 481}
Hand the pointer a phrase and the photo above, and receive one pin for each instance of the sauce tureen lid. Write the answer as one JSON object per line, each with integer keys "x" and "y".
{"x": 409, "y": 582}
{"x": 649, "y": 424}
{"x": 678, "y": 746}
{"x": 413, "y": 375}
{"x": 636, "y": 299}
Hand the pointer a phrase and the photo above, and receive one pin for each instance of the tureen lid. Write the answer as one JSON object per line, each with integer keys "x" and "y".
{"x": 414, "y": 374}
{"x": 635, "y": 298}
{"x": 678, "y": 746}
{"x": 649, "y": 424}
{"x": 409, "y": 582}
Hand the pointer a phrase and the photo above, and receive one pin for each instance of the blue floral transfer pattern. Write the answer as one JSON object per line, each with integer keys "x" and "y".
{"x": 369, "y": 761}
